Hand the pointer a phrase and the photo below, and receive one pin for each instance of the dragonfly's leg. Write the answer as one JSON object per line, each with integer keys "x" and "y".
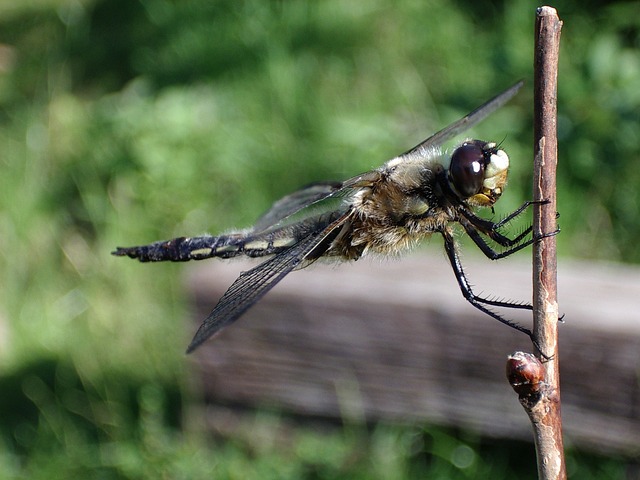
{"x": 476, "y": 227}
{"x": 472, "y": 298}
{"x": 491, "y": 229}
{"x": 518, "y": 211}
{"x": 477, "y": 238}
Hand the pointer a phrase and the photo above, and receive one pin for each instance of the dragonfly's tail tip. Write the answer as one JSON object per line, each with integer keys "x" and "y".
{"x": 195, "y": 343}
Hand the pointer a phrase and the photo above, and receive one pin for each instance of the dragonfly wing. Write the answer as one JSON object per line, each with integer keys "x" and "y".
{"x": 252, "y": 285}
{"x": 466, "y": 122}
{"x": 317, "y": 192}
{"x": 294, "y": 202}
{"x": 313, "y": 196}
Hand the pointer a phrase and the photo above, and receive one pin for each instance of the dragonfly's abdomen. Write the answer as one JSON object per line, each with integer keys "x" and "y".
{"x": 183, "y": 249}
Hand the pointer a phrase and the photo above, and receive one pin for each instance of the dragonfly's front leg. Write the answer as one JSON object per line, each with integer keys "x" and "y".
{"x": 476, "y": 227}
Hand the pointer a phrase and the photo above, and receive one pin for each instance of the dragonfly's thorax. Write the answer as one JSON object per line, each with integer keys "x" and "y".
{"x": 414, "y": 196}
{"x": 396, "y": 211}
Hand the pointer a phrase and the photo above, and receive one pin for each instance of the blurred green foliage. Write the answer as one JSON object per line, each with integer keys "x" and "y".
{"x": 128, "y": 121}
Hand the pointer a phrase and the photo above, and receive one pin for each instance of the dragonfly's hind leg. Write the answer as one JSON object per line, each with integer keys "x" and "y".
{"x": 479, "y": 302}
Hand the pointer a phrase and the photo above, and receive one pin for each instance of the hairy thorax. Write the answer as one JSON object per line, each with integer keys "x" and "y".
{"x": 390, "y": 219}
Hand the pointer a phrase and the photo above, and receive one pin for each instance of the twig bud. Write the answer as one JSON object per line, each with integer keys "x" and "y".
{"x": 526, "y": 376}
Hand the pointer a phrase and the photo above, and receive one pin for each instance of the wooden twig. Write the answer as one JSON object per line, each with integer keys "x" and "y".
{"x": 538, "y": 383}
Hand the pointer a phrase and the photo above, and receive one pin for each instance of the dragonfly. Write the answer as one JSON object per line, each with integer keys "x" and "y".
{"x": 424, "y": 191}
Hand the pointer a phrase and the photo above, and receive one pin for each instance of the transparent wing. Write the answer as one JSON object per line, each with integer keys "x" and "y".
{"x": 294, "y": 202}
{"x": 315, "y": 193}
{"x": 465, "y": 122}
{"x": 252, "y": 285}
{"x": 313, "y": 200}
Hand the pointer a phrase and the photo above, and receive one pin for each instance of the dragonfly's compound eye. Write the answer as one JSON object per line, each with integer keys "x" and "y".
{"x": 466, "y": 171}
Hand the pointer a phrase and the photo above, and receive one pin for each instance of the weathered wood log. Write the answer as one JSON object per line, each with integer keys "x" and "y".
{"x": 395, "y": 340}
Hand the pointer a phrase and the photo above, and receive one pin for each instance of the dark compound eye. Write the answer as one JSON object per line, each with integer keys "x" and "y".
{"x": 467, "y": 169}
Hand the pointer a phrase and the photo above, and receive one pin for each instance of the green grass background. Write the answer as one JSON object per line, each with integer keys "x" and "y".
{"x": 128, "y": 121}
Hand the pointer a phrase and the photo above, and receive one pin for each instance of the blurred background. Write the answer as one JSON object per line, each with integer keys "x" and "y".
{"x": 128, "y": 121}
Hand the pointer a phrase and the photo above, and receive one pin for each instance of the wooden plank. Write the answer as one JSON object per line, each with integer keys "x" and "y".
{"x": 395, "y": 340}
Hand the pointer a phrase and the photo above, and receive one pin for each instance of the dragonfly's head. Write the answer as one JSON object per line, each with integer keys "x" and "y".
{"x": 478, "y": 172}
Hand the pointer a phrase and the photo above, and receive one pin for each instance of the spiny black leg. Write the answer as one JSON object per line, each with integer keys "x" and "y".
{"x": 518, "y": 211}
{"x": 471, "y": 297}
{"x": 491, "y": 229}
{"x": 475, "y": 235}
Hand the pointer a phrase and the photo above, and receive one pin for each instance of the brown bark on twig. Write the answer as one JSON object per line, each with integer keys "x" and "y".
{"x": 545, "y": 414}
